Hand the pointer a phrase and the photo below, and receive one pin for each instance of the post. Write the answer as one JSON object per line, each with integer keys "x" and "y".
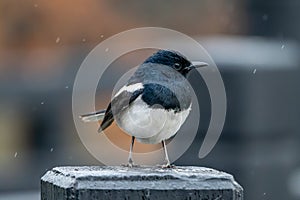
{"x": 116, "y": 182}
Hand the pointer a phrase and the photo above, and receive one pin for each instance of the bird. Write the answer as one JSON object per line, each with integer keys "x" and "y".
{"x": 154, "y": 103}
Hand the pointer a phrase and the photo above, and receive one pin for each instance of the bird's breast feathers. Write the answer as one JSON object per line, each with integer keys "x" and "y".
{"x": 150, "y": 125}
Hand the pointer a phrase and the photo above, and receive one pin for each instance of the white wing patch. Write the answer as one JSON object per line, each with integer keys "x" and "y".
{"x": 130, "y": 88}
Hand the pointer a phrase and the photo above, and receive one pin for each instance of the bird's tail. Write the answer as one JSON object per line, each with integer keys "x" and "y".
{"x": 93, "y": 117}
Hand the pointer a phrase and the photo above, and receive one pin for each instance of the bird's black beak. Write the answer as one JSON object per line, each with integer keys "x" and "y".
{"x": 197, "y": 64}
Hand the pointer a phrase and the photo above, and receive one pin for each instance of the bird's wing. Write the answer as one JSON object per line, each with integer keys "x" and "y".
{"x": 119, "y": 103}
{"x": 92, "y": 117}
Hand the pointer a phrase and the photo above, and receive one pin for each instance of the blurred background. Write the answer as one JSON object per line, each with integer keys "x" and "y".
{"x": 254, "y": 43}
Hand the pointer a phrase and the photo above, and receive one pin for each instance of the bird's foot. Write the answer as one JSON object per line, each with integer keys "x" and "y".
{"x": 168, "y": 166}
{"x": 130, "y": 164}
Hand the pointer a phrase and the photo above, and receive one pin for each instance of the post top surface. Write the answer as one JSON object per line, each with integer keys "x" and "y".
{"x": 141, "y": 173}
{"x": 119, "y": 177}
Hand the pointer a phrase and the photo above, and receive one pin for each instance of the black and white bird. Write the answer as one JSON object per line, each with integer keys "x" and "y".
{"x": 154, "y": 103}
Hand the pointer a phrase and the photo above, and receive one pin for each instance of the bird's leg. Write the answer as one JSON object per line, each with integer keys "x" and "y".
{"x": 167, "y": 165}
{"x": 130, "y": 161}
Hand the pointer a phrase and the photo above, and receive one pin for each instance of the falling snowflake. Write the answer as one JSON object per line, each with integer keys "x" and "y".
{"x": 35, "y": 5}
{"x": 51, "y": 150}
{"x": 254, "y": 71}
{"x": 102, "y": 36}
{"x": 83, "y": 40}
{"x": 16, "y": 154}
{"x": 57, "y": 40}
{"x": 282, "y": 46}
{"x": 106, "y": 50}
{"x": 42, "y": 103}
{"x": 67, "y": 87}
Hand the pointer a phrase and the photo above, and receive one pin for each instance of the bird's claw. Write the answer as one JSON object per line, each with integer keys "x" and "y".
{"x": 168, "y": 166}
{"x": 130, "y": 164}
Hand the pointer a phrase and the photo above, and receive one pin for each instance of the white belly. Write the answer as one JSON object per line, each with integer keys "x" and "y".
{"x": 150, "y": 125}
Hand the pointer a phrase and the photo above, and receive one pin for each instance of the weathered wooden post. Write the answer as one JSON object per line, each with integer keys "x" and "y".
{"x": 116, "y": 182}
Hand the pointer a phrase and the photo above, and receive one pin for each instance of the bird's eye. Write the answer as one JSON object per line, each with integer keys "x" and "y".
{"x": 177, "y": 66}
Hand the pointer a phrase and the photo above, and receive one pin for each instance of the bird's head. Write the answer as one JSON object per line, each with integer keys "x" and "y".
{"x": 175, "y": 60}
